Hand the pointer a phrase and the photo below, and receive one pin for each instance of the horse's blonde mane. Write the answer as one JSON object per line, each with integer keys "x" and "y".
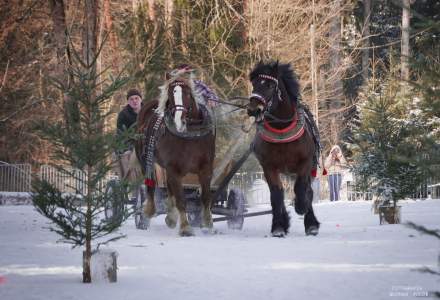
{"x": 181, "y": 76}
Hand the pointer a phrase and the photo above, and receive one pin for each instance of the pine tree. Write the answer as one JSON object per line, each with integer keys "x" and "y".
{"x": 388, "y": 144}
{"x": 426, "y": 87}
{"x": 80, "y": 143}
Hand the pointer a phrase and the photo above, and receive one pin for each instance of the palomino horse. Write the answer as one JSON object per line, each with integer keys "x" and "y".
{"x": 179, "y": 134}
{"x": 285, "y": 142}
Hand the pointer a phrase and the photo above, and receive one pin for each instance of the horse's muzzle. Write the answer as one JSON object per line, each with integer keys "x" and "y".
{"x": 256, "y": 105}
{"x": 253, "y": 112}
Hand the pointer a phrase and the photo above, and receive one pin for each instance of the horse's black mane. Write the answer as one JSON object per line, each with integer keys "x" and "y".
{"x": 285, "y": 73}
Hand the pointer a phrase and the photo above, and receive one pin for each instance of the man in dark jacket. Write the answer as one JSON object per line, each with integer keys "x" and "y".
{"x": 128, "y": 115}
{"x": 127, "y": 119}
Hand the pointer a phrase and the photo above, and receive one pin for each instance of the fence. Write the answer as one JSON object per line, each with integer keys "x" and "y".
{"x": 244, "y": 180}
{"x": 15, "y": 178}
{"x": 254, "y": 185}
{"x": 354, "y": 194}
{"x": 67, "y": 180}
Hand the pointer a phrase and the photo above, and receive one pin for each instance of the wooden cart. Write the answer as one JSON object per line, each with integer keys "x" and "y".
{"x": 229, "y": 203}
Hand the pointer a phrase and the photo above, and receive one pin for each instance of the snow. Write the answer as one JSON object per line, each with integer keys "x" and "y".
{"x": 353, "y": 257}
{"x": 15, "y": 198}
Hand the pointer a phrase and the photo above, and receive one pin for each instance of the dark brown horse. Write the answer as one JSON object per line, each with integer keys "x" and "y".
{"x": 180, "y": 128}
{"x": 284, "y": 142}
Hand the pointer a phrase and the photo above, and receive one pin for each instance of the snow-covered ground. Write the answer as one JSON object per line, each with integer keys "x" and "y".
{"x": 353, "y": 257}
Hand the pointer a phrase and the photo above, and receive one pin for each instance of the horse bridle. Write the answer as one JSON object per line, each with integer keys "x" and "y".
{"x": 179, "y": 107}
{"x": 199, "y": 127}
{"x": 268, "y": 103}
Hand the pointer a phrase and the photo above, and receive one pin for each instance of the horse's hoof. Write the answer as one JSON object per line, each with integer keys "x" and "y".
{"x": 312, "y": 230}
{"x": 186, "y": 232}
{"x": 208, "y": 230}
{"x": 280, "y": 233}
{"x": 207, "y": 225}
{"x": 142, "y": 223}
{"x": 300, "y": 209}
{"x": 170, "y": 221}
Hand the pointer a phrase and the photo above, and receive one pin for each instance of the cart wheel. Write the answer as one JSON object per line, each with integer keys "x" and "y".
{"x": 140, "y": 219}
{"x": 195, "y": 218}
{"x": 236, "y": 202}
{"x": 115, "y": 198}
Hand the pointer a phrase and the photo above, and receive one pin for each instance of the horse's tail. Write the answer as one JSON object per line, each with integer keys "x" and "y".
{"x": 134, "y": 169}
{"x": 312, "y": 124}
{"x": 315, "y": 134}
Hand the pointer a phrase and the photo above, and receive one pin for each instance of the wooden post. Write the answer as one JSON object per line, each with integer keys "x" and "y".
{"x": 313, "y": 73}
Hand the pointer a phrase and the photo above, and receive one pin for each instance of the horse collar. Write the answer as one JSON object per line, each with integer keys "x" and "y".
{"x": 289, "y": 134}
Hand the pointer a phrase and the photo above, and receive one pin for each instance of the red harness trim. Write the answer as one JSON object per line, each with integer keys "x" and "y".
{"x": 290, "y": 139}
{"x": 289, "y": 134}
{"x": 284, "y": 130}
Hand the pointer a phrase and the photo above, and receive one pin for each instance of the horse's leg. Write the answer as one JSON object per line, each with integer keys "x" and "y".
{"x": 170, "y": 202}
{"x": 175, "y": 184}
{"x": 149, "y": 206}
{"x": 280, "y": 217}
{"x": 205, "y": 183}
{"x": 303, "y": 204}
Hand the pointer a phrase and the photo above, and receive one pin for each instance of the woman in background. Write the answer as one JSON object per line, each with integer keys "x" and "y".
{"x": 335, "y": 164}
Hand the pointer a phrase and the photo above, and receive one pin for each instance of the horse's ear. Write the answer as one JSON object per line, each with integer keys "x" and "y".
{"x": 167, "y": 76}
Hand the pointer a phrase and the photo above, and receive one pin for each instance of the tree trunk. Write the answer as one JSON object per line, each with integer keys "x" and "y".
{"x": 366, "y": 40}
{"x": 90, "y": 49}
{"x": 108, "y": 29}
{"x": 336, "y": 92}
{"x": 151, "y": 10}
{"x": 60, "y": 32}
{"x": 405, "y": 51}
{"x": 61, "y": 35}
{"x": 313, "y": 74}
{"x": 169, "y": 13}
{"x": 245, "y": 31}
{"x": 87, "y": 256}
{"x": 90, "y": 30}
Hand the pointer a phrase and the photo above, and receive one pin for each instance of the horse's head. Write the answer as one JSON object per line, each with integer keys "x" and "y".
{"x": 181, "y": 105}
{"x": 271, "y": 84}
{"x": 265, "y": 89}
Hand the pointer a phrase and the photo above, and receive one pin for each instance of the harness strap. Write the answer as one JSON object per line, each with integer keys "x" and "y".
{"x": 178, "y": 107}
{"x": 149, "y": 150}
{"x": 196, "y": 128}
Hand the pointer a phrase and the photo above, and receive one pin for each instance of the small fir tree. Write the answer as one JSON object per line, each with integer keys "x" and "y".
{"x": 80, "y": 143}
{"x": 426, "y": 90}
{"x": 387, "y": 144}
